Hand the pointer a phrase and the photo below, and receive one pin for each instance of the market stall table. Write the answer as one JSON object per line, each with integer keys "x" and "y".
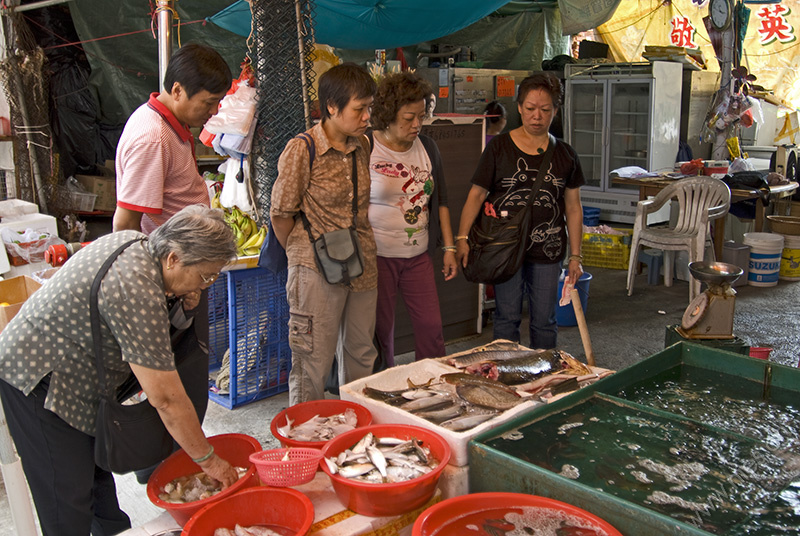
{"x": 650, "y": 186}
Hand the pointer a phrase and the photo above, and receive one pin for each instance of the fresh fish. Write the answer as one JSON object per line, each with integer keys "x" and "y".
{"x": 466, "y": 360}
{"x": 488, "y": 397}
{"x": 378, "y": 460}
{"x": 193, "y": 487}
{"x": 414, "y": 394}
{"x": 393, "y": 398}
{"x": 361, "y": 446}
{"x": 320, "y": 428}
{"x": 438, "y": 415}
{"x": 428, "y": 403}
{"x": 284, "y": 430}
{"x": 467, "y": 422}
{"x": 358, "y": 469}
{"x": 400, "y": 460}
{"x": 463, "y": 378}
{"x": 332, "y": 466}
{"x": 521, "y": 369}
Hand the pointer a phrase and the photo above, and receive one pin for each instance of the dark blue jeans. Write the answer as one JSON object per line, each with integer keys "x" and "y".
{"x": 539, "y": 283}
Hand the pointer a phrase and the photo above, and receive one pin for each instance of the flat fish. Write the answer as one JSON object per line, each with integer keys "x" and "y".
{"x": 519, "y": 370}
{"x": 464, "y": 378}
{"x": 488, "y": 397}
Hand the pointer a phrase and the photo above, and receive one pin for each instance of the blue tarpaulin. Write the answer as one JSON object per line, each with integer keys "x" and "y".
{"x": 372, "y": 24}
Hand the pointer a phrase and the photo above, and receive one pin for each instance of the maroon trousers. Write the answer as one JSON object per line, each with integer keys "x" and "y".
{"x": 413, "y": 278}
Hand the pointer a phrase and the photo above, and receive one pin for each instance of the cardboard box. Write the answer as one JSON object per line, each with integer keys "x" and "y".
{"x": 15, "y": 292}
{"x": 105, "y": 188}
{"x": 420, "y": 372}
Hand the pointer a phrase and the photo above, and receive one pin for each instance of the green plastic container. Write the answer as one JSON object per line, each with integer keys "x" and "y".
{"x": 704, "y": 417}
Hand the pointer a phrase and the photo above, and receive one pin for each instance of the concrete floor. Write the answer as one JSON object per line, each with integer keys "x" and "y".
{"x": 623, "y": 331}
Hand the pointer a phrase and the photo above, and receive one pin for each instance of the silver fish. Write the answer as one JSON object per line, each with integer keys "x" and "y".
{"x": 377, "y": 459}
{"x": 361, "y": 446}
{"x": 352, "y": 471}
{"x": 467, "y": 422}
{"x": 426, "y": 403}
{"x": 443, "y": 414}
{"x": 387, "y": 463}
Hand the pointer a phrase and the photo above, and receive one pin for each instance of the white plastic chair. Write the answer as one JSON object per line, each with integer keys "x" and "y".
{"x": 700, "y": 199}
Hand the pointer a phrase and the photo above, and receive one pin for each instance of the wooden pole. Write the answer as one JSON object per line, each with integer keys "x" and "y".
{"x": 584, "y": 329}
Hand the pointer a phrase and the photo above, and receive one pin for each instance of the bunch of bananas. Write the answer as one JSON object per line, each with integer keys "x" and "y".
{"x": 246, "y": 231}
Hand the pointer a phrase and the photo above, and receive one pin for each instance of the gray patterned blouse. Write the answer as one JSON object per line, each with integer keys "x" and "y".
{"x": 52, "y": 332}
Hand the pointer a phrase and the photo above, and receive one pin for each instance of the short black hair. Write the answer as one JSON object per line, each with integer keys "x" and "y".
{"x": 495, "y": 109}
{"x": 341, "y": 83}
{"x": 545, "y": 81}
{"x": 197, "y": 67}
{"x": 395, "y": 91}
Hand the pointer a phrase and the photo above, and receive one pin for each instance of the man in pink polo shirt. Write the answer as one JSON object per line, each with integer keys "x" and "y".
{"x": 156, "y": 168}
{"x": 157, "y": 176}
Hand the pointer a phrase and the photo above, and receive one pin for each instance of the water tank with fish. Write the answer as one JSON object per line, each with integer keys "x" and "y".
{"x": 692, "y": 440}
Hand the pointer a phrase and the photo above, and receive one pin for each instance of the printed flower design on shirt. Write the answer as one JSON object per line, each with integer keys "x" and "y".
{"x": 417, "y": 187}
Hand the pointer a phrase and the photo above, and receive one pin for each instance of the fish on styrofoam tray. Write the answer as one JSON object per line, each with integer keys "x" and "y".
{"x": 420, "y": 372}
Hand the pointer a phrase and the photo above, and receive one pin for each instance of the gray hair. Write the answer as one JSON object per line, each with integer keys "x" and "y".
{"x": 196, "y": 234}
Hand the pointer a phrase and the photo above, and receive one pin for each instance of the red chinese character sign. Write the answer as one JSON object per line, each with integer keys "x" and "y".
{"x": 769, "y": 48}
{"x": 683, "y": 32}
{"x": 774, "y": 25}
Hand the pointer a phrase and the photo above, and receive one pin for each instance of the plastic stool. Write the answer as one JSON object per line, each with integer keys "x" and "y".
{"x": 653, "y": 258}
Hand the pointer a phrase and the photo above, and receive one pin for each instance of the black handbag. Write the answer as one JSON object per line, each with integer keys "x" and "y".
{"x": 130, "y": 436}
{"x": 338, "y": 253}
{"x": 497, "y": 245}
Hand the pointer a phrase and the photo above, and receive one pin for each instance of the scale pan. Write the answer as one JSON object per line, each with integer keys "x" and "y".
{"x": 715, "y": 273}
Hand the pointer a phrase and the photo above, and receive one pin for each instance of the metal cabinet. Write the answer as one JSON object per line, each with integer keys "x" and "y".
{"x": 619, "y": 115}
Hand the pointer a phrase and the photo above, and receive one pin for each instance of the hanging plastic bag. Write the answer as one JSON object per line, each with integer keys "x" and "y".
{"x": 236, "y": 188}
{"x": 236, "y": 113}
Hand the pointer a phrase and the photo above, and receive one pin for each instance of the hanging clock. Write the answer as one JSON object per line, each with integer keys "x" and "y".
{"x": 721, "y": 13}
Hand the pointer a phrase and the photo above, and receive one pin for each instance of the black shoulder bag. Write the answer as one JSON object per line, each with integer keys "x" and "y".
{"x": 127, "y": 437}
{"x": 338, "y": 253}
{"x": 497, "y": 245}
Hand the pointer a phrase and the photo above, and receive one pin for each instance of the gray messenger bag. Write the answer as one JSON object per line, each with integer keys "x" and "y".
{"x": 338, "y": 253}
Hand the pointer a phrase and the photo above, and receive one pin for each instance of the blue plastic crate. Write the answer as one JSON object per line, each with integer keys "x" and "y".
{"x": 249, "y": 307}
{"x": 591, "y": 216}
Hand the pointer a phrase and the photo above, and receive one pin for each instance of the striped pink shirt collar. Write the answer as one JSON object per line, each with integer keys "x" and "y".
{"x": 182, "y": 130}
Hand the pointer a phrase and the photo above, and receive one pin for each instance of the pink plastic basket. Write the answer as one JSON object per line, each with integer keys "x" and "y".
{"x": 300, "y": 467}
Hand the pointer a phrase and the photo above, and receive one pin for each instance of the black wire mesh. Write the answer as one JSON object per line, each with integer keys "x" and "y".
{"x": 283, "y": 65}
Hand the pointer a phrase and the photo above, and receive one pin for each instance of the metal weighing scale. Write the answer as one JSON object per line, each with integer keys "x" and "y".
{"x": 710, "y": 315}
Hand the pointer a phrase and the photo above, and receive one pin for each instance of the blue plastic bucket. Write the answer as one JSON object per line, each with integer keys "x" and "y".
{"x": 565, "y": 314}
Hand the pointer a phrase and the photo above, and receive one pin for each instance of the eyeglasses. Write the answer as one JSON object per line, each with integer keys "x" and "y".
{"x": 207, "y": 280}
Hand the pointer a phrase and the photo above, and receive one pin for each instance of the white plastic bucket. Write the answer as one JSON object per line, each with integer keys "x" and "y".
{"x": 790, "y": 258}
{"x": 765, "y": 258}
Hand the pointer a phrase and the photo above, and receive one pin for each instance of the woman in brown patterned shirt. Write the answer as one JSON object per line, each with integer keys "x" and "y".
{"x": 327, "y": 320}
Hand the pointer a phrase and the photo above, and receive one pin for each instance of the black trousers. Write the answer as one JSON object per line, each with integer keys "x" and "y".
{"x": 73, "y": 496}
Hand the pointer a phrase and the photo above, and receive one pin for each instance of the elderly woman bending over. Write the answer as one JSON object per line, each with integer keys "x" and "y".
{"x": 48, "y": 378}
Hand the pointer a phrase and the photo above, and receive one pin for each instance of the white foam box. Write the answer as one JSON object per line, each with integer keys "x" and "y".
{"x": 37, "y": 222}
{"x": 454, "y": 481}
{"x": 420, "y": 372}
{"x": 11, "y": 208}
